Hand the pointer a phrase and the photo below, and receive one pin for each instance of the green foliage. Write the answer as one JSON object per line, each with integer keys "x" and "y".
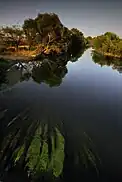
{"x": 29, "y": 28}
{"x": 77, "y": 42}
{"x": 47, "y": 29}
{"x": 111, "y": 36}
{"x": 40, "y": 162}
{"x": 109, "y": 43}
{"x": 44, "y": 28}
{"x": 12, "y": 35}
{"x": 45, "y": 149}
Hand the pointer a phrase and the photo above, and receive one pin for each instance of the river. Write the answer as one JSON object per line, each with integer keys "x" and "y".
{"x": 86, "y": 98}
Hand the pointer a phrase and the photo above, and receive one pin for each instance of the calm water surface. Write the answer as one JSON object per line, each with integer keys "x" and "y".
{"x": 88, "y": 99}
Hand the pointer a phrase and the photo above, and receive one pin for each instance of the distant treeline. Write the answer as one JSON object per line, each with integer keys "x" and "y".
{"x": 108, "y": 44}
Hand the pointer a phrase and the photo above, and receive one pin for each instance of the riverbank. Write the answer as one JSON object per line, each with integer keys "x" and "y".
{"x": 39, "y": 52}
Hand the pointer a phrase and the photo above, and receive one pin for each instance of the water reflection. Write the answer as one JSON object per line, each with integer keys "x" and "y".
{"x": 44, "y": 151}
{"x": 3, "y": 72}
{"x": 90, "y": 99}
{"x": 108, "y": 61}
{"x": 76, "y": 54}
{"x": 50, "y": 70}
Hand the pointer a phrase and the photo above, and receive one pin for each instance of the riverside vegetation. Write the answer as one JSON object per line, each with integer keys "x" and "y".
{"x": 44, "y": 35}
{"x": 108, "y": 44}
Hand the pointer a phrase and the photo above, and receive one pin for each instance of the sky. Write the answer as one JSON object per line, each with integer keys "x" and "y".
{"x": 92, "y": 17}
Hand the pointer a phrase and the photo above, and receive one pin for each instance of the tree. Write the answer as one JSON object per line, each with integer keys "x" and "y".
{"x": 47, "y": 29}
{"x": 30, "y": 31}
{"x": 77, "y": 41}
{"x": 109, "y": 43}
{"x": 111, "y": 36}
{"x": 13, "y": 35}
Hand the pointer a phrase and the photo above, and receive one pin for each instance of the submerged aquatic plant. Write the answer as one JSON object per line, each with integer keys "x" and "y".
{"x": 44, "y": 149}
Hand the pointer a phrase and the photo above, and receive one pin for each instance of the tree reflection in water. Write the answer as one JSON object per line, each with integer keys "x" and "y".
{"x": 50, "y": 70}
{"x": 108, "y": 61}
{"x": 3, "y": 71}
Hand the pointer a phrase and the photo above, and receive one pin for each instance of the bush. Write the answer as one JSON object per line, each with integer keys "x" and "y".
{"x": 32, "y": 48}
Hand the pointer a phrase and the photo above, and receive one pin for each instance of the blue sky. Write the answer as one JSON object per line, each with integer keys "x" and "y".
{"x": 92, "y": 17}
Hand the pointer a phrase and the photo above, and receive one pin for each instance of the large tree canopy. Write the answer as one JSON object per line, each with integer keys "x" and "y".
{"x": 45, "y": 30}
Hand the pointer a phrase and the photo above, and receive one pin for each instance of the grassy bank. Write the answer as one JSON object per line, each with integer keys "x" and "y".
{"x": 35, "y": 52}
